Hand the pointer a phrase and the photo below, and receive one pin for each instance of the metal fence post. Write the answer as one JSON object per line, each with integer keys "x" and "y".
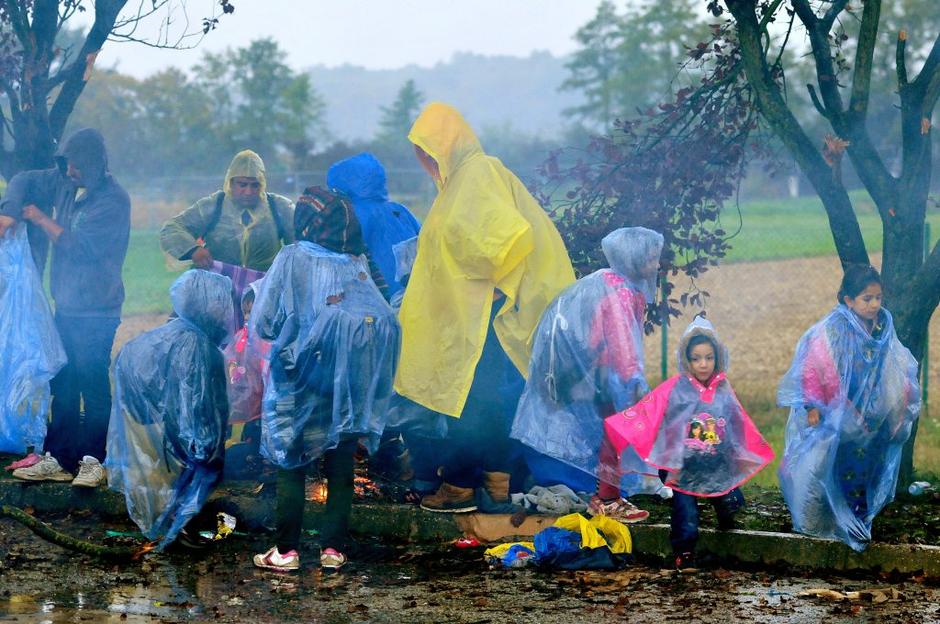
{"x": 925, "y": 363}
{"x": 664, "y": 358}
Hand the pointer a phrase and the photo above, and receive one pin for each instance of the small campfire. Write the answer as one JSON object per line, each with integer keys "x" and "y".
{"x": 316, "y": 491}
{"x": 364, "y": 487}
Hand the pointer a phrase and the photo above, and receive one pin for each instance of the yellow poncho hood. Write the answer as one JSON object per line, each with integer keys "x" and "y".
{"x": 246, "y": 164}
{"x": 484, "y": 232}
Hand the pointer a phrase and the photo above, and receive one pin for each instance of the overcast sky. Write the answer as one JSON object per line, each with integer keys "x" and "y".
{"x": 371, "y": 33}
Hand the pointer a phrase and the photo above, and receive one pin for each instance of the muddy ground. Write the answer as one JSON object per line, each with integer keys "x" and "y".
{"x": 40, "y": 582}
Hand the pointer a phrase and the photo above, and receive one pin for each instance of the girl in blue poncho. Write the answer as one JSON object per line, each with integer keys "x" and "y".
{"x": 334, "y": 347}
{"x": 853, "y": 398}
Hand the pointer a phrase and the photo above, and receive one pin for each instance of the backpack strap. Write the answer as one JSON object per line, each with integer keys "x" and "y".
{"x": 277, "y": 218}
{"x": 216, "y": 214}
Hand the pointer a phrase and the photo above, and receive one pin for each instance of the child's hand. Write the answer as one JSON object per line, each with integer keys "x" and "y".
{"x": 812, "y": 417}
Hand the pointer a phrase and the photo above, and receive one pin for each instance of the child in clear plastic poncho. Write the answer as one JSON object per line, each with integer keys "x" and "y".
{"x": 246, "y": 365}
{"x": 31, "y": 352}
{"x": 587, "y": 363}
{"x": 853, "y": 398}
{"x": 334, "y": 349}
{"x": 694, "y": 433}
{"x": 166, "y": 437}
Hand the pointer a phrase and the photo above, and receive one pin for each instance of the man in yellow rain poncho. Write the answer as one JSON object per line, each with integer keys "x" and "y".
{"x": 489, "y": 262}
{"x": 241, "y": 225}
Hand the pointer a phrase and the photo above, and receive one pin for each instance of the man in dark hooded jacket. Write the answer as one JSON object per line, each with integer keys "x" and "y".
{"x": 85, "y": 215}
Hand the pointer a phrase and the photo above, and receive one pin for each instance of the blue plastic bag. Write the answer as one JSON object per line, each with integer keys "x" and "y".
{"x": 31, "y": 352}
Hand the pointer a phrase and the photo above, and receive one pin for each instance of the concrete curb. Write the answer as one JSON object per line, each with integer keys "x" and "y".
{"x": 409, "y": 523}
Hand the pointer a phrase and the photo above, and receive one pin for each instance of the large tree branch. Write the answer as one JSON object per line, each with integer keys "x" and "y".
{"x": 78, "y": 72}
{"x": 822, "y": 55}
{"x": 867, "y": 38}
{"x": 931, "y": 66}
{"x": 929, "y": 77}
{"x": 918, "y": 99}
{"x": 830, "y": 17}
{"x": 45, "y": 27}
{"x": 842, "y": 221}
{"x": 850, "y": 125}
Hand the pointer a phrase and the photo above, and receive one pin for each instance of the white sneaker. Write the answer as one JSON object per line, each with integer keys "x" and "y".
{"x": 47, "y": 469}
{"x": 90, "y": 473}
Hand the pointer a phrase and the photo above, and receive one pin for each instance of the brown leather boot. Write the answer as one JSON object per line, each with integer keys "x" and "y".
{"x": 449, "y": 499}
{"x": 497, "y": 486}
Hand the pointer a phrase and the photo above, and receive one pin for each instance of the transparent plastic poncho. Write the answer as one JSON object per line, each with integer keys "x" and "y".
{"x": 698, "y": 433}
{"x": 587, "y": 362}
{"x": 838, "y": 475}
{"x": 334, "y": 349}
{"x": 31, "y": 352}
{"x": 169, "y": 413}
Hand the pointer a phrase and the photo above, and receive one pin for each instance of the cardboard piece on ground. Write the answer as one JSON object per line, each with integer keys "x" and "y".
{"x": 498, "y": 528}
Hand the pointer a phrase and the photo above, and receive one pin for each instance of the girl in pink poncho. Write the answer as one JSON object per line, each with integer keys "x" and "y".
{"x": 693, "y": 432}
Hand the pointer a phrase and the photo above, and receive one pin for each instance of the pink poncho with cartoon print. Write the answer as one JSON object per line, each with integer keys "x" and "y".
{"x": 700, "y": 435}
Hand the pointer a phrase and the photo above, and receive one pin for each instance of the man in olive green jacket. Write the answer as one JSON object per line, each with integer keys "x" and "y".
{"x": 242, "y": 224}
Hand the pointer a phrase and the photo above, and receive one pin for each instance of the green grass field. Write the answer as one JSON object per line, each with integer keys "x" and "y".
{"x": 771, "y": 230}
{"x": 798, "y": 228}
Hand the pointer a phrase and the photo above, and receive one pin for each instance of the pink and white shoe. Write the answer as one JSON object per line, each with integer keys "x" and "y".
{"x": 619, "y": 509}
{"x": 332, "y": 559}
{"x": 274, "y": 560}
{"x": 30, "y": 460}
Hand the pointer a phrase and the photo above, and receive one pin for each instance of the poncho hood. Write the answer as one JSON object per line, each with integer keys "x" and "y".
{"x": 444, "y": 134}
{"x": 246, "y": 164}
{"x": 700, "y": 326}
{"x": 86, "y": 151}
{"x": 360, "y": 177}
{"x": 634, "y": 253}
{"x": 204, "y": 300}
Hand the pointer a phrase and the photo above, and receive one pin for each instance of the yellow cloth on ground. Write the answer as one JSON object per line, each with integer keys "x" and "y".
{"x": 484, "y": 231}
{"x": 499, "y": 551}
{"x": 598, "y": 531}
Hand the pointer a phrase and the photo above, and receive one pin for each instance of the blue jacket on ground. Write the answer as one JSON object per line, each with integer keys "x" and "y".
{"x": 87, "y": 258}
{"x": 384, "y": 223}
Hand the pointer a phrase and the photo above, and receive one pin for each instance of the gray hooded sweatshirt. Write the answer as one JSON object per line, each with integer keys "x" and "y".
{"x": 85, "y": 276}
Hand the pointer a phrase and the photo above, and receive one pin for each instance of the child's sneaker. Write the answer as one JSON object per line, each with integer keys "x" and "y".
{"x": 30, "y": 460}
{"x": 46, "y": 469}
{"x": 90, "y": 473}
{"x": 685, "y": 562}
{"x": 273, "y": 560}
{"x": 620, "y": 510}
{"x": 332, "y": 559}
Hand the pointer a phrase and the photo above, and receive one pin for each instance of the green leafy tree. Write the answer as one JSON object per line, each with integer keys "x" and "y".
{"x": 261, "y": 103}
{"x": 628, "y": 61}
{"x": 396, "y": 121}
{"x": 595, "y": 65}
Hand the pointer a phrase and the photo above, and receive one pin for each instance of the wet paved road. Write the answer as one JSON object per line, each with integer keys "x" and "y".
{"x": 42, "y": 583}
